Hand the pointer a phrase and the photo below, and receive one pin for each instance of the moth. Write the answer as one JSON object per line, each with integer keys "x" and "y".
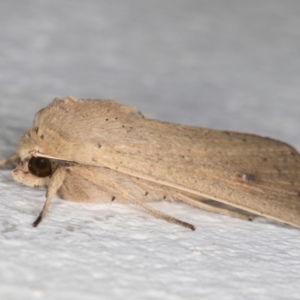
{"x": 102, "y": 151}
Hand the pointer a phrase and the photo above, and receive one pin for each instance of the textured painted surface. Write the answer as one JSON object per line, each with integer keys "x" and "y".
{"x": 231, "y": 65}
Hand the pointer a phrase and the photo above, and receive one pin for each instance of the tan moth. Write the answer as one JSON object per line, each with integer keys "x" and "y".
{"x": 101, "y": 151}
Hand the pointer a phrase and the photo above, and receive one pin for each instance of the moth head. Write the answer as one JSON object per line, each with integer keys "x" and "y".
{"x": 43, "y": 140}
{"x": 33, "y": 171}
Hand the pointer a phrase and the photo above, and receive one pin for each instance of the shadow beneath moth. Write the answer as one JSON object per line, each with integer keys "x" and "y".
{"x": 102, "y": 151}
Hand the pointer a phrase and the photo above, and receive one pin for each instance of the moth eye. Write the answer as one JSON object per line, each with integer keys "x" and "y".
{"x": 40, "y": 167}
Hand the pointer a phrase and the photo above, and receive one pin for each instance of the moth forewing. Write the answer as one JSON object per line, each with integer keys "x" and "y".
{"x": 111, "y": 152}
{"x": 256, "y": 174}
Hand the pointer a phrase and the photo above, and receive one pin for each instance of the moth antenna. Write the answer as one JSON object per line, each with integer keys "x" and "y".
{"x": 160, "y": 215}
{"x": 11, "y": 159}
{"x": 55, "y": 182}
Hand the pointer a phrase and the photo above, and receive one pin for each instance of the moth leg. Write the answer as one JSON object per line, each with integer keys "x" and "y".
{"x": 54, "y": 184}
{"x": 9, "y": 160}
{"x": 122, "y": 186}
{"x": 215, "y": 209}
{"x": 160, "y": 215}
